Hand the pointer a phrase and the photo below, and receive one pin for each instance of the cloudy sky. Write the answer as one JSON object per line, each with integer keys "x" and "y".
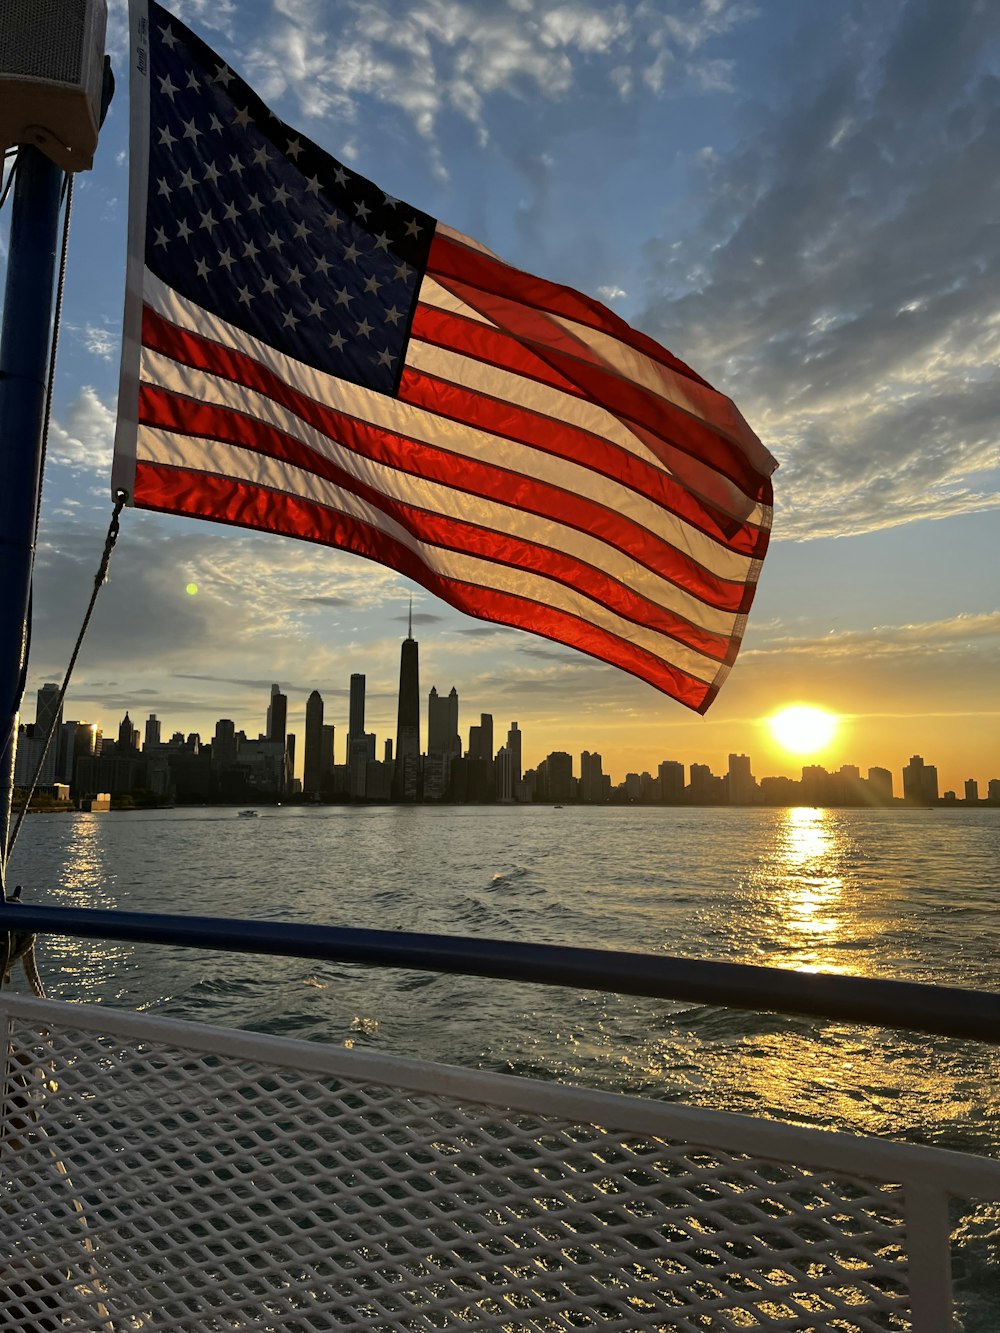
{"x": 799, "y": 199}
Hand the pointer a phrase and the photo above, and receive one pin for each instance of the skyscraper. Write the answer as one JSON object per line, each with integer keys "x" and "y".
{"x": 920, "y": 781}
{"x": 356, "y": 715}
{"x": 514, "y": 750}
{"x": 442, "y": 723}
{"x": 314, "y": 761}
{"x": 224, "y": 744}
{"x": 277, "y": 716}
{"x": 671, "y": 779}
{"x": 741, "y": 781}
{"x": 128, "y": 736}
{"x": 152, "y": 733}
{"x": 481, "y": 738}
{"x": 591, "y": 777}
{"x": 406, "y": 777}
{"x": 48, "y": 718}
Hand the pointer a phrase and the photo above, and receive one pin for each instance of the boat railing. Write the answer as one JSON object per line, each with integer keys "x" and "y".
{"x": 168, "y": 1175}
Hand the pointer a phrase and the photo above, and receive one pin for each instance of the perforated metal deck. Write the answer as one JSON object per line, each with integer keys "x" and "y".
{"x": 164, "y": 1175}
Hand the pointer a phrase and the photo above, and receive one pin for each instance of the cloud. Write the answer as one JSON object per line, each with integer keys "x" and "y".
{"x": 457, "y": 57}
{"x": 843, "y": 278}
{"x": 611, "y": 293}
{"x": 86, "y": 440}
{"x": 99, "y": 340}
{"x": 421, "y": 618}
{"x": 331, "y": 599}
{"x": 956, "y": 635}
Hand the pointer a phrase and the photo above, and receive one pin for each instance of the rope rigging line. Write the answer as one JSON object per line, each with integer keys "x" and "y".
{"x": 99, "y": 580}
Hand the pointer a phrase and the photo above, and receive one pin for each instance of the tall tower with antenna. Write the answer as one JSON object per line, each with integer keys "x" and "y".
{"x": 406, "y": 776}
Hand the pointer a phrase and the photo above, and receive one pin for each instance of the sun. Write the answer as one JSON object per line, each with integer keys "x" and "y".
{"x": 802, "y": 728}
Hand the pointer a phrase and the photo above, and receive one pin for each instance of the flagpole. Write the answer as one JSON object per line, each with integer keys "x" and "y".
{"x": 24, "y": 349}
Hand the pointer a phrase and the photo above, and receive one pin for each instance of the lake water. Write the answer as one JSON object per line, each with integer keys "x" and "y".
{"x": 908, "y": 894}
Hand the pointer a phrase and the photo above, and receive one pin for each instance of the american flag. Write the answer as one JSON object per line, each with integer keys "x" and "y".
{"x": 308, "y": 355}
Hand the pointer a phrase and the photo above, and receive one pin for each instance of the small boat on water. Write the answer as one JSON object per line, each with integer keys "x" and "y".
{"x": 246, "y": 814}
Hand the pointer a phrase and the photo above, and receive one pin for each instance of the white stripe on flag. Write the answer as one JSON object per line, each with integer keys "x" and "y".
{"x": 432, "y": 496}
{"x": 241, "y": 465}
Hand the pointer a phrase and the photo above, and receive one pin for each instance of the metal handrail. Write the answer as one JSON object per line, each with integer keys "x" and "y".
{"x": 911, "y": 1006}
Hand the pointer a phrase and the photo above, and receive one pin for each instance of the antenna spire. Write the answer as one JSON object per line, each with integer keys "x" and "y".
{"x": 409, "y": 628}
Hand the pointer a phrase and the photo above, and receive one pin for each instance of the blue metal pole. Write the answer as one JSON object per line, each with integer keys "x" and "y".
{"x": 907, "y": 1005}
{"x": 24, "y": 350}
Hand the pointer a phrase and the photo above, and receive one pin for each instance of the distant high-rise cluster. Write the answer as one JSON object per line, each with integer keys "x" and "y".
{"x": 235, "y": 767}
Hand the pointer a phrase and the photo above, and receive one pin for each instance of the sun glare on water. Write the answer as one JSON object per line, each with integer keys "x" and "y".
{"x": 803, "y": 729}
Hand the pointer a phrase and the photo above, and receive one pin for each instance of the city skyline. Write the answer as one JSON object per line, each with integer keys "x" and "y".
{"x": 807, "y": 236}
{"x": 440, "y": 722}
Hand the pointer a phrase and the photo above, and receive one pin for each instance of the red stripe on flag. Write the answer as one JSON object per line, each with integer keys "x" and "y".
{"x": 523, "y": 346}
{"x": 451, "y": 259}
{"x": 551, "y": 436}
{"x": 177, "y": 491}
{"x": 163, "y": 410}
{"x": 462, "y": 474}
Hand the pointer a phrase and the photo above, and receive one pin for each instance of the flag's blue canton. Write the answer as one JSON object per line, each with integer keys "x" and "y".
{"x": 259, "y": 226}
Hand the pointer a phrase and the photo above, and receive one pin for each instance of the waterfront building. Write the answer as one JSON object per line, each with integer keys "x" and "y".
{"x": 27, "y": 754}
{"x": 920, "y": 781}
{"x": 591, "y": 777}
{"x": 48, "y": 719}
{"x": 705, "y": 787}
{"x": 76, "y": 740}
{"x": 118, "y": 774}
{"x": 503, "y": 769}
{"x": 742, "y": 783}
{"x": 361, "y": 754}
{"x": 555, "y": 777}
{"x": 444, "y": 744}
{"x": 671, "y": 778}
{"x": 265, "y": 765}
{"x": 151, "y": 735}
{"x": 880, "y": 785}
{"x": 972, "y": 791}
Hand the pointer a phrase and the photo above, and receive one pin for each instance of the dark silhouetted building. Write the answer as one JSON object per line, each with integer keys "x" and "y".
{"x": 671, "y": 776}
{"x": 742, "y": 784}
{"x": 920, "y": 782}
{"x": 224, "y": 745}
{"x": 151, "y": 736}
{"x": 277, "y": 716}
{"x": 591, "y": 777}
{"x": 356, "y": 712}
{"x": 313, "y": 762}
{"x": 406, "y": 785}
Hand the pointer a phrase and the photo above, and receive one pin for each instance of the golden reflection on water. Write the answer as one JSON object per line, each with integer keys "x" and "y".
{"x": 814, "y": 912}
{"x": 85, "y": 881}
{"x": 808, "y": 856}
